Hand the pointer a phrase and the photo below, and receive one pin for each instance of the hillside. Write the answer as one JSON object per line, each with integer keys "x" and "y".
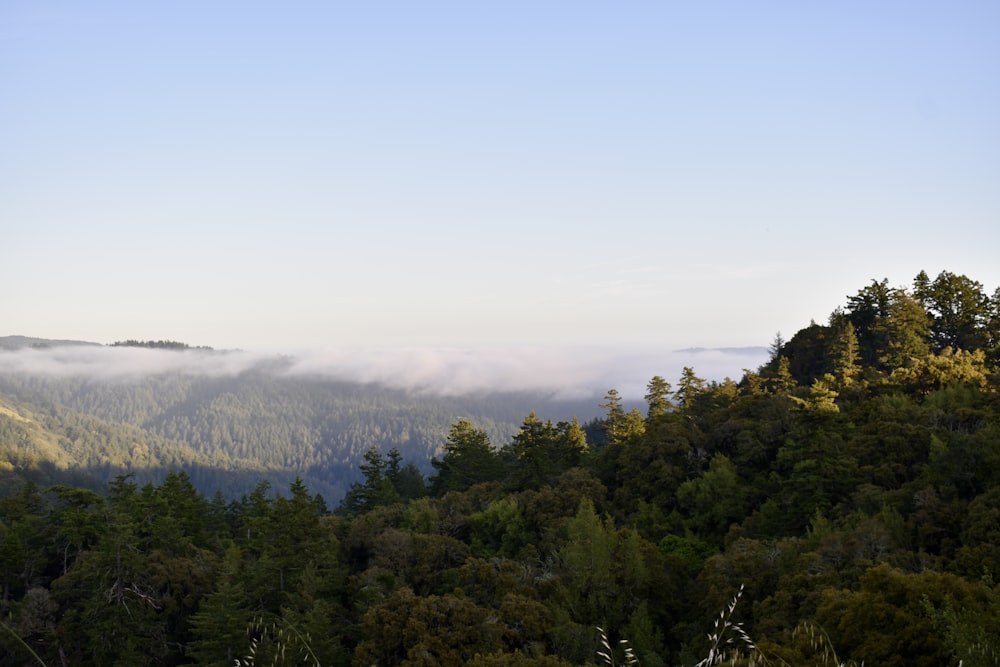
{"x": 231, "y": 430}
{"x": 20, "y": 342}
{"x": 838, "y": 506}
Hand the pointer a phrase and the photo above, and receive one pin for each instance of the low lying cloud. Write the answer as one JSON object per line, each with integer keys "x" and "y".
{"x": 122, "y": 363}
{"x": 570, "y": 372}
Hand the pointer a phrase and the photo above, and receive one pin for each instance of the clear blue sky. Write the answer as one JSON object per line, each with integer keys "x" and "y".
{"x": 316, "y": 174}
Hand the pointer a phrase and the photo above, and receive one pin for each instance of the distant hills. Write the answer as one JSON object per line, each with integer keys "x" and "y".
{"x": 229, "y": 421}
{"x": 19, "y": 342}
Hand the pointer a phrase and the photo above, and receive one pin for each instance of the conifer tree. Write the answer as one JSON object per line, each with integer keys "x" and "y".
{"x": 220, "y": 625}
{"x": 657, "y": 397}
{"x": 614, "y": 416}
{"x": 469, "y": 459}
{"x": 688, "y": 388}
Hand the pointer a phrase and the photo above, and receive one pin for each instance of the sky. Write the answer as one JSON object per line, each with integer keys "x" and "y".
{"x": 631, "y": 177}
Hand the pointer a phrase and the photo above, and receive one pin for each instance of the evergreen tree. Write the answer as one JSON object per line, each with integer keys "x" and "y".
{"x": 845, "y": 355}
{"x": 782, "y": 381}
{"x": 541, "y": 451}
{"x": 220, "y": 625}
{"x": 689, "y": 387}
{"x": 613, "y": 418}
{"x": 868, "y": 312}
{"x": 908, "y": 331}
{"x": 377, "y": 487}
{"x": 469, "y": 459}
{"x": 657, "y": 397}
{"x": 959, "y": 310}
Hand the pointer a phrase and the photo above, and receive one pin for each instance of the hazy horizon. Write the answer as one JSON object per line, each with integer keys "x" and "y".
{"x": 566, "y": 372}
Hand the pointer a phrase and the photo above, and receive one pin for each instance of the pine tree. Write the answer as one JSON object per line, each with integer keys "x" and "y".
{"x": 657, "y": 397}
{"x": 220, "y": 625}
{"x": 689, "y": 387}
{"x": 614, "y": 416}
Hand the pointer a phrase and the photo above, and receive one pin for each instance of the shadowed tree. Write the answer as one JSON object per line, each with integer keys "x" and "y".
{"x": 868, "y": 312}
{"x": 220, "y": 625}
{"x": 959, "y": 310}
{"x": 376, "y": 488}
{"x": 541, "y": 451}
{"x": 468, "y": 459}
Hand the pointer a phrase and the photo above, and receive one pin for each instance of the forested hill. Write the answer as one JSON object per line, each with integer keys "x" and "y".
{"x": 231, "y": 430}
{"x": 838, "y": 506}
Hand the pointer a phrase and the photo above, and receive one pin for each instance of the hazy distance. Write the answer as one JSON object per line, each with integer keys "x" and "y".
{"x": 562, "y": 371}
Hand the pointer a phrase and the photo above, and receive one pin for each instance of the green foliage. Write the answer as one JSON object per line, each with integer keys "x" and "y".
{"x": 971, "y": 637}
{"x": 688, "y": 553}
{"x": 958, "y": 308}
{"x": 230, "y": 432}
{"x": 657, "y": 397}
{"x": 541, "y": 451}
{"x": 689, "y": 386}
{"x": 469, "y": 459}
{"x": 946, "y": 368}
{"x": 886, "y": 621}
{"x": 714, "y": 501}
{"x": 849, "y": 489}
{"x": 219, "y": 627}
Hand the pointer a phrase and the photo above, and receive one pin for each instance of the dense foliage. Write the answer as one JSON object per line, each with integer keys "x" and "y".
{"x": 849, "y": 489}
{"x": 230, "y": 431}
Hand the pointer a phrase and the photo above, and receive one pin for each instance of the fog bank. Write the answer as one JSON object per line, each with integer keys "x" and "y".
{"x": 563, "y": 371}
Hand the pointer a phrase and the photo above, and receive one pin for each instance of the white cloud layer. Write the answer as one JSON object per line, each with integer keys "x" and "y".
{"x": 563, "y": 371}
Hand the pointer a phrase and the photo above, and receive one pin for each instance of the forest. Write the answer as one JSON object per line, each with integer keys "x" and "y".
{"x": 839, "y": 505}
{"x": 230, "y": 431}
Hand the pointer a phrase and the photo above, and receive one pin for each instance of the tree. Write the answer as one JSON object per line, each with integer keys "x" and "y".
{"x": 845, "y": 355}
{"x": 817, "y": 468}
{"x": 468, "y": 459}
{"x": 993, "y": 326}
{"x": 76, "y": 517}
{"x": 651, "y": 467}
{"x": 886, "y": 621}
{"x": 377, "y": 487}
{"x": 112, "y": 605}
{"x": 949, "y": 367}
{"x": 23, "y": 536}
{"x": 607, "y": 578}
{"x": 287, "y": 539}
{"x": 716, "y": 500}
{"x": 393, "y": 466}
{"x": 777, "y": 347}
{"x": 632, "y": 426}
{"x": 311, "y": 612}
{"x": 959, "y": 311}
{"x": 689, "y": 387}
{"x": 406, "y": 629}
{"x": 868, "y": 312}
{"x": 807, "y": 357}
{"x": 782, "y": 381}
{"x": 657, "y": 397}
{"x": 541, "y": 451}
{"x": 907, "y": 331}
{"x": 615, "y": 414}
{"x": 220, "y": 625}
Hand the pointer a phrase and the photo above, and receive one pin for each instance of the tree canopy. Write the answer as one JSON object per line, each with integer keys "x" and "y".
{"x": 842, "y": 499}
